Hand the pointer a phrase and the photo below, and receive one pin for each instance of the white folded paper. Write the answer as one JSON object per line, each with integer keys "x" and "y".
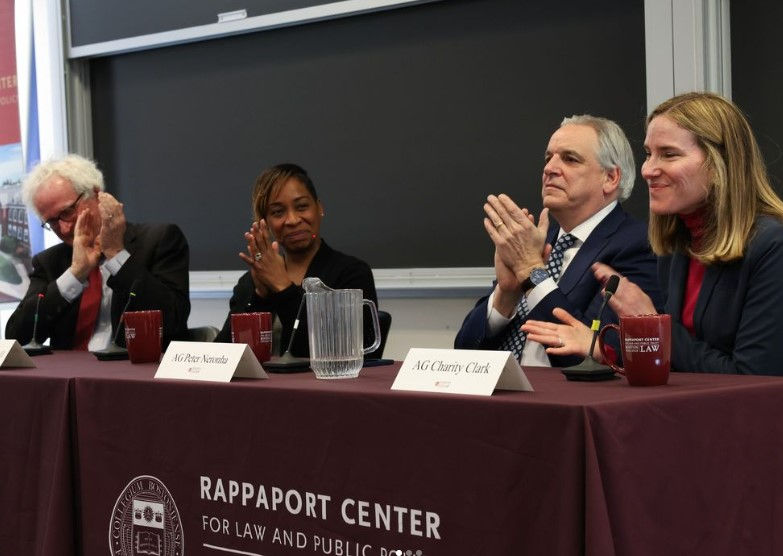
{"x": 209, "y": 361}
{"x": 12, "y": 355}
{"x": 460, "y": 371}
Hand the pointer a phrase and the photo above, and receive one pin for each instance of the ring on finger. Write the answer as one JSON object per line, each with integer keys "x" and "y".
{"x": 498, "y": 224}
{"x": 258, "y": 256}
{"x": 560, "y": 342}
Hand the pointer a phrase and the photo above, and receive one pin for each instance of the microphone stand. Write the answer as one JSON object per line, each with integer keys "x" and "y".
{"x": 115, "y": 352}
{"x": 287, "y": 363}
{"x": 34, "y": 347}
{"x": 590, "y": 369}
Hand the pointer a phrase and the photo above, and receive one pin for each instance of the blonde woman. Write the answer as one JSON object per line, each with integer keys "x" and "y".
{"x": 717, "y": 226}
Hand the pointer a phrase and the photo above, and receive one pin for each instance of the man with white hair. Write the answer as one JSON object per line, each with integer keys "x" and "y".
{"x": 86, "y": 280}
{"x": 588, "y": 170}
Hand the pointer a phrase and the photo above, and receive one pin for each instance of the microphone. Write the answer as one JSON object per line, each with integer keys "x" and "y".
{"x": 590, "y": 369}
{"x": 34, "y": 347}
{"x": 115, "y": 352}
{"x": 287, "y": 363}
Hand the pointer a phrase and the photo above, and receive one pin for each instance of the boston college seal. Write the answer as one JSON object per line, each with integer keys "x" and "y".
{"x": 145, "y": 521}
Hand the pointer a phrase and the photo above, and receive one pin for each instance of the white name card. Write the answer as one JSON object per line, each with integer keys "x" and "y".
{"x": 208, "y": 361}
{"x": 12, "y": 355}
{"x": 460, "y": 371}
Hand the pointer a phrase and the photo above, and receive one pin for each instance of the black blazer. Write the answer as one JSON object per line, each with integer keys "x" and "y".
{"x": 738, "y": 320}
{"x": 620, "y": 241}
{"x": 159, "y": 260}
{"x": 336, "y": 270}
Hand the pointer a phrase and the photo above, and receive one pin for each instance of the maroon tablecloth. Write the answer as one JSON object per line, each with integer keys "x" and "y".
{"x": 572, "y": 468}
{"x": 36, "y": 489}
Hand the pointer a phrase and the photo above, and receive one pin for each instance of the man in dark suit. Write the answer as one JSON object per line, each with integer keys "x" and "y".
{"x": 588, "y": 169}
{"x": 86, "y": 280}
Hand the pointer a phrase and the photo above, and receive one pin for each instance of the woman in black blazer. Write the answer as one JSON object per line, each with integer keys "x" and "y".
{"x": 717, "y": 226}
{"x": 284, "y": 246}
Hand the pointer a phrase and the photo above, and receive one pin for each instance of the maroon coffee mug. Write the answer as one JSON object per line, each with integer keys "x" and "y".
{"x": 143, "y": 333}
{"x": 255, "y": 330}
{"x": 646, "y": 346}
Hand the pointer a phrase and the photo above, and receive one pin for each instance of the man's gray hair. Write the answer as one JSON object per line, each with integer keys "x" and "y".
{"x": 81, "y": 172}
{"x": 614, "y": 150}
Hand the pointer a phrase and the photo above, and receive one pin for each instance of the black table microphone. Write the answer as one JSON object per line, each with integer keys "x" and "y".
{"x": 34, "y": 347}
{"x": 287, "y": 363}
{"x": 115, "y": 352}
{"x": 589, "y": 369}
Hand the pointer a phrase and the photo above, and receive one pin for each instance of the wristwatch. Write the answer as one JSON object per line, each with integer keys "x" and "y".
{"x": 537, "y": 275}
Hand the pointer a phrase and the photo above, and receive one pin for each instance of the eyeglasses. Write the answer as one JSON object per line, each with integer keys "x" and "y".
{"x": 68, "y": 214}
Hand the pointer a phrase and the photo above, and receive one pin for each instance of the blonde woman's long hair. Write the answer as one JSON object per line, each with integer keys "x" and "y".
{"x": 739, "y": 189}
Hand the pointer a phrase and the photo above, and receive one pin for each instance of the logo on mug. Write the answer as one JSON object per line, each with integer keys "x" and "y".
{"x": 145, "y": 520}
{"x": 642, "y": 345}
{"x": 130, "y": 333}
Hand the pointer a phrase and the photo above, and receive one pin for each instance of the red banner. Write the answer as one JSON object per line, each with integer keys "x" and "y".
{"x": 9, "y": 101}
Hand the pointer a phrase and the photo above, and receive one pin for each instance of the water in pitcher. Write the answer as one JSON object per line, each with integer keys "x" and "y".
{"x": 335, "y": 330}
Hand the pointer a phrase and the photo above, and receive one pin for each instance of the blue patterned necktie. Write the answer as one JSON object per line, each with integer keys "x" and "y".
{"x": 514, "y": 339}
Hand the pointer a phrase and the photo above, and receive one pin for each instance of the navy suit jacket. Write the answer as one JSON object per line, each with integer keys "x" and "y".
{"x": 159, "y": 261}
{"x": 620, "y": 241}
{"x": 738, "y": 319}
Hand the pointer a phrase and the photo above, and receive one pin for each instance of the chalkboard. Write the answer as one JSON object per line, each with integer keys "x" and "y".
{"x": 757, "y": 77}
{"x": 405, "y": 119}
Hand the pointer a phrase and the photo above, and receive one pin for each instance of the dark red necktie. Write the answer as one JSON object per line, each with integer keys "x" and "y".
{"x": 88, "y": 310}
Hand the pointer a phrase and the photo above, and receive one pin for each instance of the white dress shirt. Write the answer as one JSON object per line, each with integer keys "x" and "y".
{"x": 534, "y": 354}
{"x": 71, "y": 288}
